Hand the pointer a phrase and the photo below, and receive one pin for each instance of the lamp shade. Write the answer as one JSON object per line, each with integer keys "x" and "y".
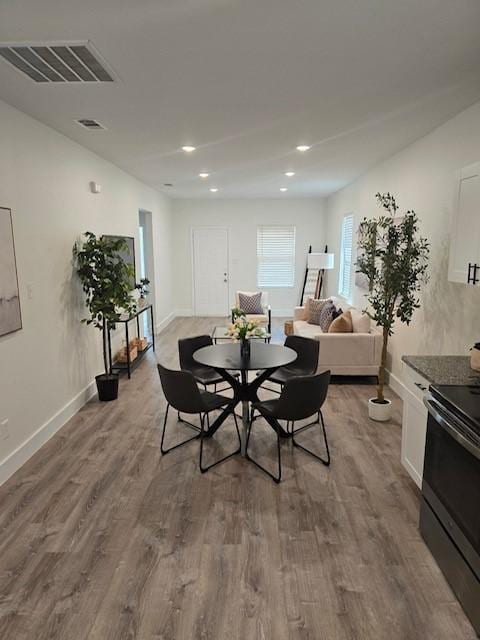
{"x": 320, "y": 260}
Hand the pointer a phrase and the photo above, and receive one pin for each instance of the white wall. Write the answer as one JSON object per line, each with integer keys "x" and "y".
{"x": 422, "y": 178}
{"x": 241, "y": 217}
{"x": 47, "y": 368}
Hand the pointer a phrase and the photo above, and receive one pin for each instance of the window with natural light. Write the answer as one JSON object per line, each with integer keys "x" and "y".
{"x": 275, "y": 256}
{"x": 346, "y": 258}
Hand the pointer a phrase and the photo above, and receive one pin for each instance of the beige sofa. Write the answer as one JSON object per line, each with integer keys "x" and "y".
{"x": 345, "y": 354}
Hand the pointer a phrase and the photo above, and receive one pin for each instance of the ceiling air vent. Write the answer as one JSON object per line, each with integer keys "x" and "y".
{"x": 57, "y": 62}
{"x": 90, "y": 124}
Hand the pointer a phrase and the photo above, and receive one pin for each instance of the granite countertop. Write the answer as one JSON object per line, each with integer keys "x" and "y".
{"x": 453, "y": 370}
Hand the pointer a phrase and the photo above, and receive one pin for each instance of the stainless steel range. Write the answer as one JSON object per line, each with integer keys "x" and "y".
{"x": 450, "y": 506}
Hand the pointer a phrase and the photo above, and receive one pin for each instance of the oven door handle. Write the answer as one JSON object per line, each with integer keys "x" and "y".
{"x": 447, "y": 421}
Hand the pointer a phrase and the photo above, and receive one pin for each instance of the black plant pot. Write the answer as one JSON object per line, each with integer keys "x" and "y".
{"x": 107, "y": 386}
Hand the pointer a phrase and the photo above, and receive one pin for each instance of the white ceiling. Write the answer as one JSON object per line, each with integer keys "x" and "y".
{"x": 248, "y": 80}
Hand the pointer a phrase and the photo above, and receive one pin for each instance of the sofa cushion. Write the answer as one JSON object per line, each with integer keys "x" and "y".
{"x": 306, "y": 330}
{"x": 313, "y": 308}
{"x": 326, "y": 315}
{"x": 342, "y": 324}
{"x": 360, "y": 321}
{"x": 250, "y": 303}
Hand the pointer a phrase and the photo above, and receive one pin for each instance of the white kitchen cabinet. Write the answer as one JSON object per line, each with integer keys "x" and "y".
{"x": 465, "y": 228}
{"x": 414, "y": 423}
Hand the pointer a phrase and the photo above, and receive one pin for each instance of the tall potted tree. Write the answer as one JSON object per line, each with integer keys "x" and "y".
{"x": 105, "y": 278}
{"x": 394, "y": 258}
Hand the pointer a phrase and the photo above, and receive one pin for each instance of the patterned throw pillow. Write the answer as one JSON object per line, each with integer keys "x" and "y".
{"x": 313, "y": 307}
{"x": 251, "y": 304}
{"x": 327, "y": 315}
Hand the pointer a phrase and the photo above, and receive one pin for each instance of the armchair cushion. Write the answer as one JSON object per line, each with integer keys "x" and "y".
{"x": 257, "y": 317}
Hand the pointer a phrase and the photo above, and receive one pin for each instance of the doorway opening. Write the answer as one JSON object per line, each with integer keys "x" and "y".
{"x": 146, "y": 263}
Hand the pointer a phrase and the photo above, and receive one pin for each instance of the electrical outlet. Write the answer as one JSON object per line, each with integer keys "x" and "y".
{"x": 4, "y": 431}
{"x": 30, "y": 291}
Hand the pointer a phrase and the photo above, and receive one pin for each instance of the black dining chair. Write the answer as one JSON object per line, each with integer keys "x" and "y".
{"x": 204, "y": 375}
{"x": 306, "y": 364}
{"x": 182, "y": 393}
{"x": 300, "y": 398}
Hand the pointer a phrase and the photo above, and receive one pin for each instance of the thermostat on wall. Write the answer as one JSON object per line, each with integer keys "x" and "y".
{"x": 95, "y": 187}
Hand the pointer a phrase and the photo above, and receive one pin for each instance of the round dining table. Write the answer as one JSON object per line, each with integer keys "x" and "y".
{"x": 226, "y": 358}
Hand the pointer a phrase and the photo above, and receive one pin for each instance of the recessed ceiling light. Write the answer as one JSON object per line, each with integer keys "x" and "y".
{"x": 303, "y": 147}
{"x": 214, "y": 189}
{"x": 188, "y": 148}
{"x": 203, "y": 175}
{"x": 283, "y": 189}
{"x": 290, "y": 174}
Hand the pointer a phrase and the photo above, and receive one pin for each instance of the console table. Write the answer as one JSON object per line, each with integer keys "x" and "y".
{"x": 129, "y": 365}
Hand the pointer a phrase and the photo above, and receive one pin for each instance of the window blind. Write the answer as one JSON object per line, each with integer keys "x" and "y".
{"x": 346, "y": 257}
{"x": 276, "y": 256}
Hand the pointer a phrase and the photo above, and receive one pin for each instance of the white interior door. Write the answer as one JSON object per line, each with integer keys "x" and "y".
{"x": 210, "y": 271}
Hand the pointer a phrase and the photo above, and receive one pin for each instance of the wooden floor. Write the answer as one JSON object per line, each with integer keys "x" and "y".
{"x": 103, "y": 538}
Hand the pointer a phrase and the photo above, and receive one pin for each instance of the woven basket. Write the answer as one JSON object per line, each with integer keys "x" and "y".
{"x": 122, "y": 354}
{"x": 288, "y": 328}
{"x": 141, "y": 343}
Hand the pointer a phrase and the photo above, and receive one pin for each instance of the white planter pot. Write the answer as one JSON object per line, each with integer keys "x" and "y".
{"x": 379, "y": 412}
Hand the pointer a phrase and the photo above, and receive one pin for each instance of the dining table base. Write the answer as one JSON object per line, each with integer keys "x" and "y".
{"x": 244, "y": 392}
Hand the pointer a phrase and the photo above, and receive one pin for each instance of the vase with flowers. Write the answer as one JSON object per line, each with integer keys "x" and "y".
{"x": 142, "y": 288}
{"x": 242, "y": 330}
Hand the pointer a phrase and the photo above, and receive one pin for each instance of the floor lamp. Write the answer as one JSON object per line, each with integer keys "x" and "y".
{"x": 322, "y": 262}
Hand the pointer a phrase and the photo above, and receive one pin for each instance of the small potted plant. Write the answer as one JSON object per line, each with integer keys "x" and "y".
{"x": 105, "y": 278}
{"x": 394, "y": 259}
{"x": 242, "y": 330}
{"x": 142, "y": 288}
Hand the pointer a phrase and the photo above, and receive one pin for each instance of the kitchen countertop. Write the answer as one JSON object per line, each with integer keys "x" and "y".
{"x": 453, "y": 370}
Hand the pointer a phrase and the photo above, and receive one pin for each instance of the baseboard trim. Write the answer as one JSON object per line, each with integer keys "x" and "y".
{"x": 396, "y": 385}
{"x": 163, "y": 324}
{"x": 18, "y": 457}
{"x": 183, "y": 313}
{"x": 416, "y": 477}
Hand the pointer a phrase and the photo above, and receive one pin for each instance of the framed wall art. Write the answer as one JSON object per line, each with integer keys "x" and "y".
{"x": 10, "y": 314}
